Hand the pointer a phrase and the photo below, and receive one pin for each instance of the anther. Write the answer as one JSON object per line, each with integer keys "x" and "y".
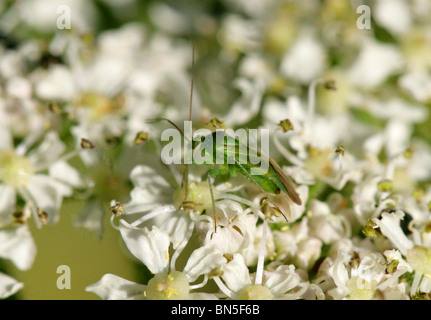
{"x": 141, "y": 137}
{"x": 87, "y": 144}
{"x": 117, "y": 209}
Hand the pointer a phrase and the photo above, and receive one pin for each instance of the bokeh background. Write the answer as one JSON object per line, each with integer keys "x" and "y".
{"x": 231, "y": 38}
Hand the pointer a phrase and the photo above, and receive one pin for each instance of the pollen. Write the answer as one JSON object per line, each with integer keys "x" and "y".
{"x": 419, "y": 258}
{"x": 360, "y": 289}
{"x": 15, "y": 171}
{"x": 255, "y": 292}
{"x": 172, "y": 286}
{"x": 99, "y": 104}
{"x": 198, "y": 198}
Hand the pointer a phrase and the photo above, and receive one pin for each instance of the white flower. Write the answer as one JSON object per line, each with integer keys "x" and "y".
{"x": 305, "y": 60}
{"x": 315, "y": 140}
{"x": 325, "y": 225}
{"x": 296, "y": 246}
{"x": 22, "y": 172}
{"x": 94, "y": 89}
{"x": 417, "y": 250}
{"x": 43, "y": 15}
{"x": 365, "y": 198}
{"x": 253, "y": 8}
{"x": 236, "y": 282}
{"x": 239, "y": 34}
{"x": 394, "y": 15}
{"x": 248, "y": 105}
{"x": 396, "y": 109}
{"x": 168, "y": 19}
{"x": 41, "y": 178}
{"x": 261, "y": 248}
{"x": 418, "y": 205}
{"x": 151, "y": 247}
{"x": 203, "y": 261}
{"x": 364, "y": 278}
{"x": 418, "y": 84}
{"x": 374, "y": 64}
{"x": 155, "y": 201}
{"x": 233, "y": 230}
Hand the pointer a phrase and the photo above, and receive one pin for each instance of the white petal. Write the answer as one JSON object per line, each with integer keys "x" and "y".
{"x": 7, "y": 203}
{"x": 112, "y": 287}
{"x": 94, "y": 134}
{"x": 17, "y": 244}
{"x": 149, "y": 246}
{"x": 168, "y": 19}
{"x": 47, "y": 152}
{"x": 274, "y": 111}
{"x": 8, "y": 286}
{"x": 425, "y": 285}
{"x": 91, "y": 217}
{"x": 146, "y": 177}
{"x": 248, "y": 104}
{"x": 418, "y": 84}
{"x": 57, "y": 84}
{"x": 177, "y": 227}
{"x": 19, "y": 87}
{"x": 282, "y": 280}
{"x": 64, "y": 172}
{"x": 397, "y": 137}
{"x": 374, "y": 64}
{"x": 309, "y": 251}
{"x": 48, "y": 194}
{"x": 203, "y": 260}
{"x": 398, "y": 109}
{"x": 6, "y": 142}
{"x": 394, "y": 15}
{"x": 227, "y": 239}
{"x": 389, "y": 225}
{"x": 305, "y": 60}
{"x": 236, "y": 274}
{"x": 339, "y": 273}
{"x": 374, "y": 144}
{"x": 150, "y": 189}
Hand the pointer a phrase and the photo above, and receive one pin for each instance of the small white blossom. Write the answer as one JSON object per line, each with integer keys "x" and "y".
{"x": 8, "y": 286}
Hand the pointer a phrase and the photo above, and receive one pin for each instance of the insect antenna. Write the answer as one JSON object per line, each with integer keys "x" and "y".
{"x": 185, "y": 170}
{"x": 165, "y": 119}
{"x": 213, "y": 203}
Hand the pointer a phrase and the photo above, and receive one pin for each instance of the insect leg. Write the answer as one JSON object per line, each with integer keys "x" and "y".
{"x": 213, "y": 202}
{"x": 264, "y": 192}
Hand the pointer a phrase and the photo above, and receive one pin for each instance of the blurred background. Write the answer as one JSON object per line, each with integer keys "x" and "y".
{"x": 242, "y": 47}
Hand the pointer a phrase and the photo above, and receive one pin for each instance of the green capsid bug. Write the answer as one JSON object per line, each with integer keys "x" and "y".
{"x": 235, "y": 157}
{"x": 271, "y": 180}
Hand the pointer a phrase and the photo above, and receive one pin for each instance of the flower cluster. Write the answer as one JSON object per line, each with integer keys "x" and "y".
{"x": 346, "y": 102}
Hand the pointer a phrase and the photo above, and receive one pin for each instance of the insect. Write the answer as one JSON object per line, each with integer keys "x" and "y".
{"x": 271, "y": 181}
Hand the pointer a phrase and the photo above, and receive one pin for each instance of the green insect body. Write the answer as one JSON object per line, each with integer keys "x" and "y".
{"x": 271, "y": 180}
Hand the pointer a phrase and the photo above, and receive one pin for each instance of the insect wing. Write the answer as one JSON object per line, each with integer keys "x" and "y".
{"x": 287, "y": 183}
